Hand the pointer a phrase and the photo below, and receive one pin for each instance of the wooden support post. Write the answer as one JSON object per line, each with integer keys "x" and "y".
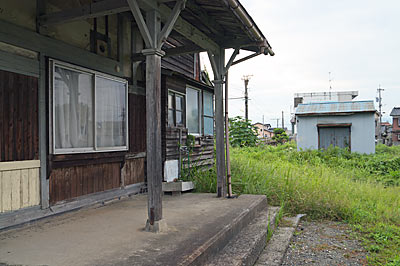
{"x": 44, "y": 184}
{"x": 153, "y": 120}
{"x": 219, "y": 66}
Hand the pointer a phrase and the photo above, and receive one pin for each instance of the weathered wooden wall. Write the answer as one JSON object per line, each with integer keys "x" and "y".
{"x": 134, "y": 171}
{"x": 183, "y": 64}
{"x": 19, "y": 185}
{"x": 18, "y": 117}
{"x": 202, "y": 153}
{"x": 137, "y": 123}
{"x": 71, "y": 182}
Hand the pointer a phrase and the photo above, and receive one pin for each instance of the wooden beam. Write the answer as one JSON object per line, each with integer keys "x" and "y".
{"x": 179, "y": 6}
{"x": 137, "y": 14}
{"x": 213, "y": 65}
{"x": 93, "y": 10}
{"x": 189, "y": 49}
{"x": 245, "y": 58}
{"x": 230, "y": 62}
{"x": 24, "y": 38}
{"x": 189, "y": 31}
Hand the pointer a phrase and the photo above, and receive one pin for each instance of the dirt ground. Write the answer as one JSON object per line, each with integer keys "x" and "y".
{"x": 324, "y": 243}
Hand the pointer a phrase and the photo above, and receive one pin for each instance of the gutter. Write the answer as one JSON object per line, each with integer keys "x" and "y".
{"x": 238, "y": 9}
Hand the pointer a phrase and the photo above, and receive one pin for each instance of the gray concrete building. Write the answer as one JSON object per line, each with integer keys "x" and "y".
{"x": 343, "y": 124}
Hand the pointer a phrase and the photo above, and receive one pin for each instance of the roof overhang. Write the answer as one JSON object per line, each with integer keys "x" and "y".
{"x": 203, "y": 25}
{"x": 333, "y": 113}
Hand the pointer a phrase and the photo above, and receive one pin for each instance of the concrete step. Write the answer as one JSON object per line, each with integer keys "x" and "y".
{"x": 275, "y": 250}
{"x": 248, "y": 244}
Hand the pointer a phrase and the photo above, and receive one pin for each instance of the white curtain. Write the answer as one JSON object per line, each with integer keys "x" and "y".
{"x": 110, "y": 113}
{"x": 73, "y": 109}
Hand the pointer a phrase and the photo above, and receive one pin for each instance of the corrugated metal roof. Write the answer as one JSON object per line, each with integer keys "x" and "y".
{"x": 395, "y": 111}
{"x": 335, "y": 107}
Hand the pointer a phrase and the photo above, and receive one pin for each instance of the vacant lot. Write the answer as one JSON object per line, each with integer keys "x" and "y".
{"x": 362, "y": 190}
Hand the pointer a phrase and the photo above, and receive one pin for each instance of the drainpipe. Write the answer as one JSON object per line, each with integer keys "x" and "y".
{"x": 241, "y": 13}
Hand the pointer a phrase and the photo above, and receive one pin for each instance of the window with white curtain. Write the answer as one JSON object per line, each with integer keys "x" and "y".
{"x": 89, "y": 110}
{"x": 193, "y": 111}
{"x": 208, "y": 113}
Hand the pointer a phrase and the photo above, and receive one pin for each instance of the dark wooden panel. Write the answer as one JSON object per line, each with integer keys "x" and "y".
{"x": 71, "y": 182}
{"x": 134, "y": 171}
{"x": 18, "y": 117}
{"x": 137, "y": 123}
{"x": 176, "y": 84}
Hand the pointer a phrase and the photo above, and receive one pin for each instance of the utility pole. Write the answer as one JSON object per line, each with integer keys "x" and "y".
{"x": 263, "y": 128}
{"x": 380, "y": 111}
{"x": 246, "y": 79}
{"x": 277, "y": 122}
{"x": 283, "y": 121}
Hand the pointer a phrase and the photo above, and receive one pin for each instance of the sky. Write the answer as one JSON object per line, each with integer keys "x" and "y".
{"x": 358, "y": 41}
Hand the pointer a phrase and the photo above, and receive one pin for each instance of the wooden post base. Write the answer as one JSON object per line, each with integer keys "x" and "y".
{"x": 156, "y": 227}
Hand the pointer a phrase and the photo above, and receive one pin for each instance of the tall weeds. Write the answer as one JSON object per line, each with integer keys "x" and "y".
{"x": 335, "y": 185}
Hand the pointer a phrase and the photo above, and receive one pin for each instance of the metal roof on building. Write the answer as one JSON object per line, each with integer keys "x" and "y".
{"x": 335, "y": 107}
{"x": 395, "y": 111}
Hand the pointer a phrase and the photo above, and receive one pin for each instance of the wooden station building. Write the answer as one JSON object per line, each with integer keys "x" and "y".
{"x": 96, "y": 97}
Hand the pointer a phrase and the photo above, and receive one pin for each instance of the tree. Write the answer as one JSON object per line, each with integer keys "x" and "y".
{"x": 280, "y": 135}
{"x": 242, "y": 132}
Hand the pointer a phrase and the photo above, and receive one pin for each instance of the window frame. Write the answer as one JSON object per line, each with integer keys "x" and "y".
{"x": 398, "y": 136}
{"x": 176, "y": 94}
{"x": 53, "y": 63}
{"x": 199, "y": 108}
{"x": 207, "y": 116}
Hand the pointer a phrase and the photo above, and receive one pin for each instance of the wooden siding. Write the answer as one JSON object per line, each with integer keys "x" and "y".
{"x": 19, "y": 185}
{"x": 134, "y": 171}
{"x": 201, "y": 155}
{"x": 176, "y": 84}
{"x": 18, "y": 117}
{"x": 183, "y": 64}
{"x": 71, "y": 182}
{"x": 137, "y": 123}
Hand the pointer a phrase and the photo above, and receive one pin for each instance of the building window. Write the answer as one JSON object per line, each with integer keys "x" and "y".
{"x": 193, "y": 111}
{"x": 398, "y": 137}
{"x": 175, "y": 109}
{"x": 398, "y": 122}
{"x": 89, "y": 110}
{"x": 208, "y": 113}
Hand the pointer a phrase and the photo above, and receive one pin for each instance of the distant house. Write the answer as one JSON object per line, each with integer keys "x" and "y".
{"x": 386, "y": 133}
{"x": 395, "y": 114}
{"x": 267, "y": 133}
{"x": 340, "y": 124}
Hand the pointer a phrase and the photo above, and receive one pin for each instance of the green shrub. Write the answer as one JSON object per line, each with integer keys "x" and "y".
{"x": 242, "y": 133}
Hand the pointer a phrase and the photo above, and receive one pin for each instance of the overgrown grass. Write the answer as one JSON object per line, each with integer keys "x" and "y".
{"x": 362, "y": 190}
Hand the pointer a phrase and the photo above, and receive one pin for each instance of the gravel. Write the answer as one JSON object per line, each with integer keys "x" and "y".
{"x": 324, "y": 243}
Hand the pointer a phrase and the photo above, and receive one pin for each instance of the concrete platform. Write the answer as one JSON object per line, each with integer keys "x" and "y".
{"x": 199, "y": 225}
